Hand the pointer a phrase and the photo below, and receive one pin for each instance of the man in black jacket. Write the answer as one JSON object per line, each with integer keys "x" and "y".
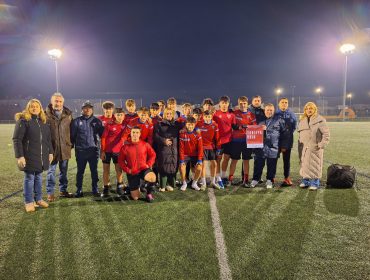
{"x": 59, "y": 118}
{"x": 86, "y": 131}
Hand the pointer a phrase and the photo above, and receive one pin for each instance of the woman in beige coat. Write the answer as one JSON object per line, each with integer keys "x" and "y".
{"x": 313, "y": 137}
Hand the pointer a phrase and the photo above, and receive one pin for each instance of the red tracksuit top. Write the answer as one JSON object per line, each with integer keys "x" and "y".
{"x": 191, "y": 145}
{"x": 243, "y": 119}
{"x": 129, "y": 117}
{"x": 105, "y": 120}
{"x": 136, "y": 157}
{"x": 112, "y": 138}
{"x": 146, "y": 130}
{"x": 156, "y": 120}
{"x": 224, "y": 120}
{"x": 210, "y": 136}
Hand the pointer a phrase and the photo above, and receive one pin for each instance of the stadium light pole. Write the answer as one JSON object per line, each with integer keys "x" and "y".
{"x": 278, "y": 92}
{"x": 349, "y": 96}
{"x": 346, "y": 49}
{"x": 319, "y": 91}
{"x": 55, "y": 55}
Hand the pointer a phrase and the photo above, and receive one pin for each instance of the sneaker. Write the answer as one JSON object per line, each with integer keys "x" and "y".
{"x": 30, "y": 207}
{"x": 79, "y": 194}
{"x": 313, "y": 188}
{"x": 260, "y": 181}
{"x": 246, "y": 185}
{"x": 183, "y": 187}
{"x": 66, "y": 194}
{"x": 226, "y": 182}
{"x": 162, "y": 189}
{"x": 96, "y": 194}
{"x": 303, "y": 185}
{"x": 269, "y": 184}
{"x": 42, "y": 204}
{"x": 119, "y": 191}
{"x": 149, "y": 198}
{"x": 106, "y": 191}
{"x": 35, "y": 204}
{"x": 51, "y": 198}
{"x": 203, "y": 188}
{"x": 195, "y": 187}
{"x": 221, "y": 184}
{"x": 287, "y": 182}
{"x": 169, "y": 189}
{"x": 215, "y": 186}
{"x": 253, "y": 183}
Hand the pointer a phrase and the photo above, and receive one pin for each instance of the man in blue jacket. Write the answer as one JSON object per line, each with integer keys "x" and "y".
{"x": 274, "y": 128}
{"x": 86, "y": 131}
{"x": 286, "y": 140}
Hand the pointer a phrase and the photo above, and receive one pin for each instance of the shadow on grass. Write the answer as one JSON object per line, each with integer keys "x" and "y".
{"x": 278, "y": 254}
{"x": 342, "y": 201}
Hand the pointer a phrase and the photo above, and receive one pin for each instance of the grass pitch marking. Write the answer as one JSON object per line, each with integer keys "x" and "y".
{"x": 225, "y": 273}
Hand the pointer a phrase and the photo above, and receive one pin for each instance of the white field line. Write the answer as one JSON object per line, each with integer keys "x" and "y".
{"x": 225, "y": 273}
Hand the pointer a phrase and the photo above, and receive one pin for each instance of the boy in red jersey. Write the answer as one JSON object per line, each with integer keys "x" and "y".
{"x": 186, "y": 112}
{"x": 136, "y": 159}
{"x": 131, "y": 111}
{"x": 111, "y": 143}
{"x": 225, "y": 121}
{"x": 190, "y": 150}
{"x": 211, "y": 147}
{"x": 154, "y": 113}
{"x": 145, "y": 126}
{"x": 243, "y": 117}
{"x": 107, "y": 117}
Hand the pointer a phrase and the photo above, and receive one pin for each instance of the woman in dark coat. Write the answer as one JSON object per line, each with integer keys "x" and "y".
{"x": 33, "y": 150}
{"x": 166, "y": 134}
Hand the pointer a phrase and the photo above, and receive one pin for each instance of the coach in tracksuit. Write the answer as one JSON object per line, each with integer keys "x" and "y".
{"x": 86, "y": 131}
{"x": 286, "y": 140}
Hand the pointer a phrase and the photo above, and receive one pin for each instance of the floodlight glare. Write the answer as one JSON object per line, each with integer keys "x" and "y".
{"x": 55, "y": 53}
{"x": 347, "y": 48}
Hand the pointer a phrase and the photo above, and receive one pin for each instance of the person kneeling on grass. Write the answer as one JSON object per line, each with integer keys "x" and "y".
{"x": 33, "y": 150}
{"x": 136, "y": 158}
{"x": 191, "y": 149}
{"x": 274, "y": 127}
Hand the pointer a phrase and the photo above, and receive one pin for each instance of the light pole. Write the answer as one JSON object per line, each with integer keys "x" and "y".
{"x": 293, "y": 88}
{"x": 349, "y": 96}
{"x": 278, "y": 92}
{"x": 345, "y": 49}
{"x": 55, "y": 55}
{"x": 319, "y": 91}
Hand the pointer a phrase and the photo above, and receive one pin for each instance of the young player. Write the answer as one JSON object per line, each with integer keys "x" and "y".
{"x": 131, "y": 111}
{"x": 225, "y": 120}
{"x": 154, "y": 113}
{"x": 207, "y": 105}
{"x": 111, "y": 143}
{"x": 136, "y": 159}
{"x": 107, "y": 117}
{"x": 145, "y": 126}
{"x": 211, "y": 147}
{"x": 186, "y": 112}
{"x": 191, "y": 149}
{"x": 198, "y": 116}
{"x": 243, "y": 118}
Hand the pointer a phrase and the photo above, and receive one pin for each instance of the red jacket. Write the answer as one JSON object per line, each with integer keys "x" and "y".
{"x": 191, "y": 145}
{"x": 243, "y": 119}
{"x": 129, "y": 117}
{"x": 136, "y": 157}
{"x": 225, "y": 121}
{"x": 146, "y": 130}
{"x": 112, "y": 138}
{"x": 156, "y": 120}
{"x": 210, "y": 136}
{"x": 105, "y": 120}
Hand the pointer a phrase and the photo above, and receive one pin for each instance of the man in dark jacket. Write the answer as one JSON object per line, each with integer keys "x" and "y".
{"x": 59, "y": 118}
{"x": 286, "y": 142}
{"x": 86, "y": 131}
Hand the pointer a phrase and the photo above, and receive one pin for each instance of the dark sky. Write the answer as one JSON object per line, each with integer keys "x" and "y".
{"x": 189, "y": 49}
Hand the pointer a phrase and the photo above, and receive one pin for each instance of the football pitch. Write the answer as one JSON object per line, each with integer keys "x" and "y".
{"x": 285, "y": 233}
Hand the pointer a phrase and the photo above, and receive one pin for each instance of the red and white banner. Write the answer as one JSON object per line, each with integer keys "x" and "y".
{"x": 255, "y": 136}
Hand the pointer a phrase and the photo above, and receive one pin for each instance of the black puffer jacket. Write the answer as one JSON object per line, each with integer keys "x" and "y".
{"x": 32, "y": 140}
{"x": 167, "y": 156}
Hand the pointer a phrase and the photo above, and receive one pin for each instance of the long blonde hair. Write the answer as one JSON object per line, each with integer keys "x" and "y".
{"x": 314, "y": 115}
{"x": 26, "y": 114}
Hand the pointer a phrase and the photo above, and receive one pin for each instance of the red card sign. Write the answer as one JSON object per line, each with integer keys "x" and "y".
{"x": 255, "y": 136}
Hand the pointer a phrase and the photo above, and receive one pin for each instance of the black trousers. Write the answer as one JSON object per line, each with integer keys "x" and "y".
{"x": 259, "y": 164}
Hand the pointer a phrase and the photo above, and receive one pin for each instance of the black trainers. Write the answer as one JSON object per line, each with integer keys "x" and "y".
{"x": 106, "y": 191}
{"x": 119, "y": 191}
{"x": 79, "y": 194}
{"x": 96, "y": 194}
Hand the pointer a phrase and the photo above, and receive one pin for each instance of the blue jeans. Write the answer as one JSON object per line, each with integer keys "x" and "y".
{"x": 63, "y": 180}
{"x": 311, "y": 182}
{"x": 32, "y": 186}
{"x": 83, "y": 157}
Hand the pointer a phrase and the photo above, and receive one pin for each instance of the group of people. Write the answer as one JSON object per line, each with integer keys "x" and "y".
{"x": 150, "y": 145}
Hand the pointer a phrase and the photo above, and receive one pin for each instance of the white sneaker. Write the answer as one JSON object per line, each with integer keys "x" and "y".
{"x": 302, "y": 185}
{"x": 183, "y": 187}
{"x": 215, "y": 186}
{"x": 195, "y": 187}
{"x": 312, "y": 188}
{"x": 162, "y": 189}
{"x": 169, "y": 189}
{"x": 254, "y": 183}
{"x": 268, "y": 184}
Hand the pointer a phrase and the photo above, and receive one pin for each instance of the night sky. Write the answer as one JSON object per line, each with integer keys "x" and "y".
{"x": 187, "y": 49}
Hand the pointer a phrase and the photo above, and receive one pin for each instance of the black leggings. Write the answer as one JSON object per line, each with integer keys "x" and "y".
{"x": 286, "y": 161}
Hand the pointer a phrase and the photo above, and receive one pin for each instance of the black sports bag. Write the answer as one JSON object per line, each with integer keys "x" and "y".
{"x": 341, "y": 176}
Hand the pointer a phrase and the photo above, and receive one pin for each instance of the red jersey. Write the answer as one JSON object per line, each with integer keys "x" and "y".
{"x": 106, "y": 120}
{"x": 112, "y": 138}
{"x": 225, "y": 121}
{"x": 191, "y": 145}
{"x": 136, "y": 157}
{"x": 146, "y": 130}
{"x": 210, "y": 136}
{"x": 129, "y": 117}
{"x": 156, "y": 120}
{"x": 243, "y": 119}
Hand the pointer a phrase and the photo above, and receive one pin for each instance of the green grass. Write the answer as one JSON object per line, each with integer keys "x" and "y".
{"x": 280, "y": 234}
